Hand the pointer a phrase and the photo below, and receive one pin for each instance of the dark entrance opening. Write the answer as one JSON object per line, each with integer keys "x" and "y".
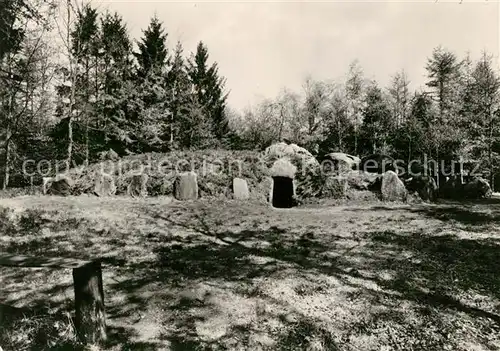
{"x": 283, "y": 192}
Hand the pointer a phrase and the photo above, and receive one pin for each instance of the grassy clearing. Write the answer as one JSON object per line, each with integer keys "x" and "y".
{"x": 219, "y": 274}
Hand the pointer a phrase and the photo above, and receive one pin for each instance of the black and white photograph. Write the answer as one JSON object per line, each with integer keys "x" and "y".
{"x": 250, "y": 175}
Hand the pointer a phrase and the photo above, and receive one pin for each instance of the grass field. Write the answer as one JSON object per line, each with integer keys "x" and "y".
{"x": 229, "y": 275}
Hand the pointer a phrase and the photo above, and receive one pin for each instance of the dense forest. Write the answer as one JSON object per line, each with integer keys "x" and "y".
{"x": 75, "y": 84}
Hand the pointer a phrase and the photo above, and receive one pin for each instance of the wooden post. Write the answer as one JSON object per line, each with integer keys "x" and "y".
{"x": 90, "y": 321}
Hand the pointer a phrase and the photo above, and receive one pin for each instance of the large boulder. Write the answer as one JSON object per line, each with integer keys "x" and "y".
{"x": 452, "y": 188}
{"x": 360, "y": 180}
{"x": 137, "y": 186}
{"x": 341, "y": 161}
{"x": 291, "y": 151}
{"x": 109, "y": 155}
{"x": 60, "y": 186}
{"x": 240, "y": 189}
{"x": 186, "y": 186}
{"x": 392, "y": 188}
{"x": 283, "y": 167}
{"x": 104, "y": 185}
{"x": 425, "y": 186}
{"x": 335, "y": 187}
{"x": 477, "y": 188}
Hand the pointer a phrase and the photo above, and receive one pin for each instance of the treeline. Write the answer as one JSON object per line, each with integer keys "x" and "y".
{"x": 456, "y": 117}
{"x": 74, "y": 84}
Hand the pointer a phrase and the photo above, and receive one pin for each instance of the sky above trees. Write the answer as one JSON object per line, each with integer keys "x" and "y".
{"x": 263, "y": 47}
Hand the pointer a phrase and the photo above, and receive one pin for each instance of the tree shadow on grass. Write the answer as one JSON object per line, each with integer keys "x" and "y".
{"x": 463, "y": 214}
{"x": 475, "y": 216}
{"x": 444, "y": 267}
{"x": 446, "y": 262}
{"x": 439, "y": 270}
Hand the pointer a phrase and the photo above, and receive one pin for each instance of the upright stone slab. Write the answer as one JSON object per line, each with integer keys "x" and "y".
{"x": 393, "y": 189}
{"x": 186, "y": 186}
{"x": 240, "y": 189}
{"x": 104, "y": 185}
{"x": 137, "y": 186}
{"x": 46, "y": 181}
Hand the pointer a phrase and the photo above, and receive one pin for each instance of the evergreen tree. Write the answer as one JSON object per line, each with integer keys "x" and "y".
{"x": 149, "y": 105}
{"x": 180, "y": 91}
{"x": 153, "y": 53}
{"x": 209, "y": 88}
{"x": 377, "y": 123}
{"x": 84, "y": 46}
{"x": 11, "y": 33}
{"x": 484, "y": 119}
{"x": 116, "y": 87}
{"x": 400, "y": 99}
{"x": 339, "y": 127}
{"x": 466, "y": 92}
{"x": 421, "y": 109}
{"x": 196, "y": 131}
{"x": 443, "y": 73}
{"x": 354, "y": 88}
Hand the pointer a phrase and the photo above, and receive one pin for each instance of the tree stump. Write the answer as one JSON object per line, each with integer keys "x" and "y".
{"x": 90, "y": 321}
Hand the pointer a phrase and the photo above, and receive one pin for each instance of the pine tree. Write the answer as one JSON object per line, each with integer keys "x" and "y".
{"x": 354, "y": 88}
{"x": 209, "y": 88}
{"x": 316, "y": 97}
{"x": 377, "y": 123}
{"x": 443, "y": 73}
{"x": 85, "y": 44}
{"x": 196, "y": 131}
{"x": 179, "y": 89}
{"x": 400, "y": 99}
{"x": 116, "y": 87}
{"x": 338, "y": 125}
{"x": 153, "y": 53}
{"x": 484, "y": 119}
{"x": 11, "y": 33}
{"x": 149, "y": 105}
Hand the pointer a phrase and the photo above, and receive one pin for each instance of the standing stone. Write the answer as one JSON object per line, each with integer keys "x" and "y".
{"x": 46, "y": 181}
{"x": 186, "y": 186}
{"x": 61, "y": 187}
{"x": 138, "y": 185}
{"x": 393, "y": 189}
{"x": 477, "y": 188}
{"x": 109, "y": 155}
{"x": 425, "y": 186}
{"x": 452, "y": 188}
{"x": 240, "y": 189}
{"x": 104, "y": 185}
